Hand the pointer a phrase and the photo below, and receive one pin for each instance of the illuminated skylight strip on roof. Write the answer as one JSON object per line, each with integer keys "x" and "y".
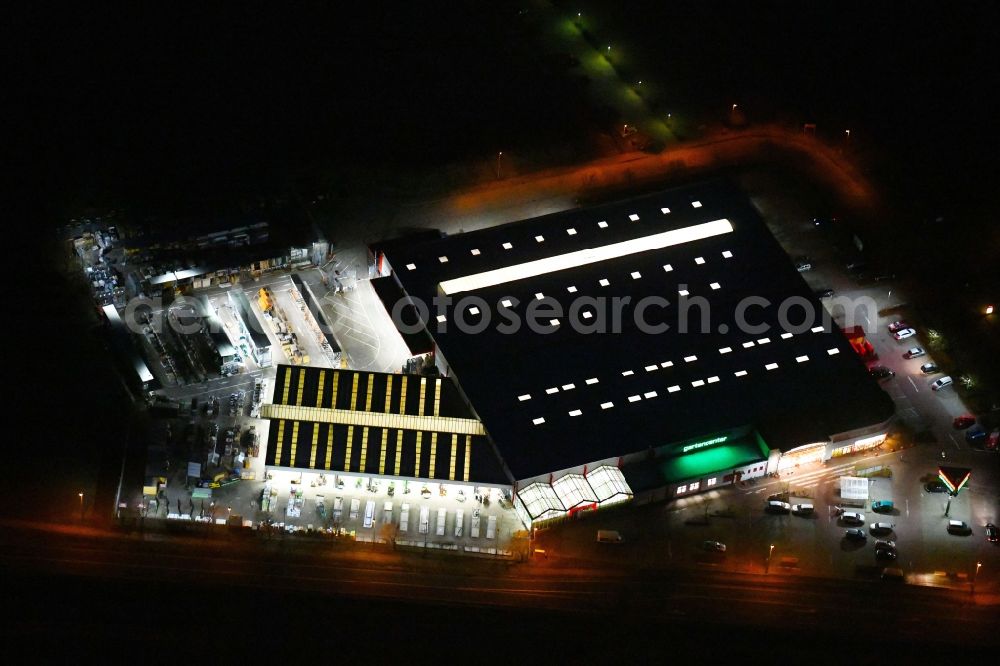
{"x": 540, "y": 239}
{"x": 713, "y": 379}
{"x": 763, "y": 341}
{"x": 747, "y": 345}
{"x": 698, "y": 382}
{"x": 740, "y": 373}
{"x": 650, "y": 368}
{"x": 442, "y": 319}
{"x": 526, "y": 396}
{"x": 715, "y": 285}
{"x": 673, "y": 389}
{"x": 410, "y": 267}
{"x": 699, "y": 260}
{"x": 552, "y": 390}
{"x": 602, "y": 225}
{"x": 592, "y": 380}
{"x": 571, "y": 231}
{"x": 802, "y": 359}
{"x": 667, "y": 364}
{"x": 607, "y": 405}
{"x": 688, "y": 359}
{"x": 627, "y": 373}
{"x": 636, "y": 275}
{"x": 585, "y": 257}
{"x": 726, "y": 254}
{"x": 634, "y": 398}
{"x": 539, "y": 421}
{"x": 571, "y": 289}
{"x": 568, "y": 387}
{"x": 475, "y": 252}
{"x": 507, "y": 246}
{"x": 575, "y": 412}
{"x": 816, "y": 329}
{"x": 725, "y": 350}
{"x": 833, "y": 352}
{"x": 649, "y": 394}
{"x": 506, "y": 303}
{"x": 771, "y": 366}
{"x": 443, "y": 260}
{"x": 696, "y": 204}
{"x": 668, "y": 267}
{"x": 785, "y": 336}
{"x": 665, "y": 211}
{"x": 633, "y": 217}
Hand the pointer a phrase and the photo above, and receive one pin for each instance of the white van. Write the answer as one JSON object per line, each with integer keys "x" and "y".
{"x": 459, "y": 515}
{"x": 474, "y": 528}
{"x": 387, "y": 512}
{"x": 802, "y": 509}
{"x": 939, "y": 384}
{"x": 425, "y": 520}
{"x": 369, "y": 513}
{"x": 491, "y": 528}
{"x": 439, "y": 526}
{"x": 338, "y": 508}
{"x": 355, "y": 506}
{"x": 404, "y": 518}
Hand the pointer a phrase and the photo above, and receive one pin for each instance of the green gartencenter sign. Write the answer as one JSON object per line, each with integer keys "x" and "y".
{"x": 707, "y": 442}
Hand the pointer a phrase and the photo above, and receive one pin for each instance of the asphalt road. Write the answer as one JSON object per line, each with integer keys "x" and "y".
{"x": 874, "y": 612}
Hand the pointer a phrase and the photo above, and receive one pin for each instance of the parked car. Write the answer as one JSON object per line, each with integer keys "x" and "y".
{"x": 959, "y": 527}
{"x": 898, "y": 325}
{"x": 855, "y": 534}
{"x": 802, "y": 509}
{"x": 824, "y": 222}
{"x": 963, "y": 421}
{"x": 803, "y": 266}
{"x": 881, "y": 372}
{"x": 993, "y": 440}
{"x": 881, "y": 528}
{"x": 991, "y": 533}
{"x": 823, "y": 293}
{"x": 929, "y": 368}
{"x": 904, "y": 333}
{"x": 893, "y": 574}
{"x": 975, "y": 436}
{"x": 777, "y": 506}
{"x": 941, "y": 383}
{"x": 853, "y": 517}
{"x": 935, "y": 486}
{"x": 914, "y": 352}
{"x": 882, "y": 506}
{"x": 885, "y": 550}
{"x": 714, "y": 546}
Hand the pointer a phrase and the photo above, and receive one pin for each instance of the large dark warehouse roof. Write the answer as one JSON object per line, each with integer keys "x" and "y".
{"x": 563, "y": 398}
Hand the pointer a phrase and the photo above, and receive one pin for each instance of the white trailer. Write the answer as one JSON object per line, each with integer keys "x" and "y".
{"x": 355, "y": 507}
{"x": 459, "y": 519}
{"x": 404, "y": 518}
{"x": 387, "y": 512}
{"x": 491, "y": 528}
{"x": 441, "y": 518}
{"x": 338, "y": 508}
{"x": 425, "y": 520}
{"x": 474, "y": 530}
{"x": 369, "y": 513}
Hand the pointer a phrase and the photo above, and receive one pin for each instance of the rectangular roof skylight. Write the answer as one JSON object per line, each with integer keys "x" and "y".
{"x": 443, "y": 260}
{"x": 602, "y": 225}
{"x": 571, "y": 289}
{"x": 696, "y": 204}
{"x": 833, "y": 352}
{"x": 603, "y": 282}
{"x": 585, "y": 256}
{"x": 410, "y": 267}
{"x": 540, "y": 420}
{"x": 636, "y": 275}
{"x": 688, "y": 359}
{"x": 698, "y": 382}
{"x": 506, "y": 303}
{"x": 607, "y": 405}
{"x": 667, "y": 364}
{"x": 816, "y": 329}
{"x": 571, "y": 231}
{"x": 592, "y": 380}
{"x": 668, "y": 267}
{"x": 665, "y": 211}
{"x": 650, "y": 368}
{"x": 475, "y": 252}
{"x": 627, "y": 373}
{"x": 540, "y": 238}
{"x": 713, "y": 379}
{"x": 634, "y": 398}
{"x": 747, "y": 345}
{"x": 526, "y": 396}
{"x": 575, "y": 412}
{"x": 649, "y": 394}
{"x": 785, "y": 336}
{"x": 725, "y": 350}
{"x": 699, "y": 260}
{"x": 715, "y": 285}
{"x": 552, "y": 390}
{"x": 740, "y": 373}
{"x": 802, "y": 359}
{"x": 771, "y": 366}
{"x": 568, "y": 387}
{"x": 507, "y": 246}
{"x": 633, "y": 217}
{"x": 726, "y": 254}
{"x": 673, "y": 389}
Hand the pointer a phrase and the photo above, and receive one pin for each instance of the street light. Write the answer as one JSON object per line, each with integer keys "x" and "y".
{"x": 975, "y": 576}
{"x": 767, "y": 566}
{"x": 81, "y": 505}
{"x": 734, "y": 106}
{"x": 499, "y": 154}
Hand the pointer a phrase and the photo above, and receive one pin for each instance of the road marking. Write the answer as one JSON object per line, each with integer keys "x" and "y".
{"x": 913, "y": 384}
{"x": 955, "y": 441}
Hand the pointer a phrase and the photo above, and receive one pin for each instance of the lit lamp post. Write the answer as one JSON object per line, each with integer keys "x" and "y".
{"x": 81, "y": 505}
{"x": 767, "y": 565}
{"x": 499, "y": 155}
{"x": 975, "y": 575}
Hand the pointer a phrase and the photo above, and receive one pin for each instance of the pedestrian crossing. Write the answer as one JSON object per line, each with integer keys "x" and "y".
{"x": 813, "y": 478}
